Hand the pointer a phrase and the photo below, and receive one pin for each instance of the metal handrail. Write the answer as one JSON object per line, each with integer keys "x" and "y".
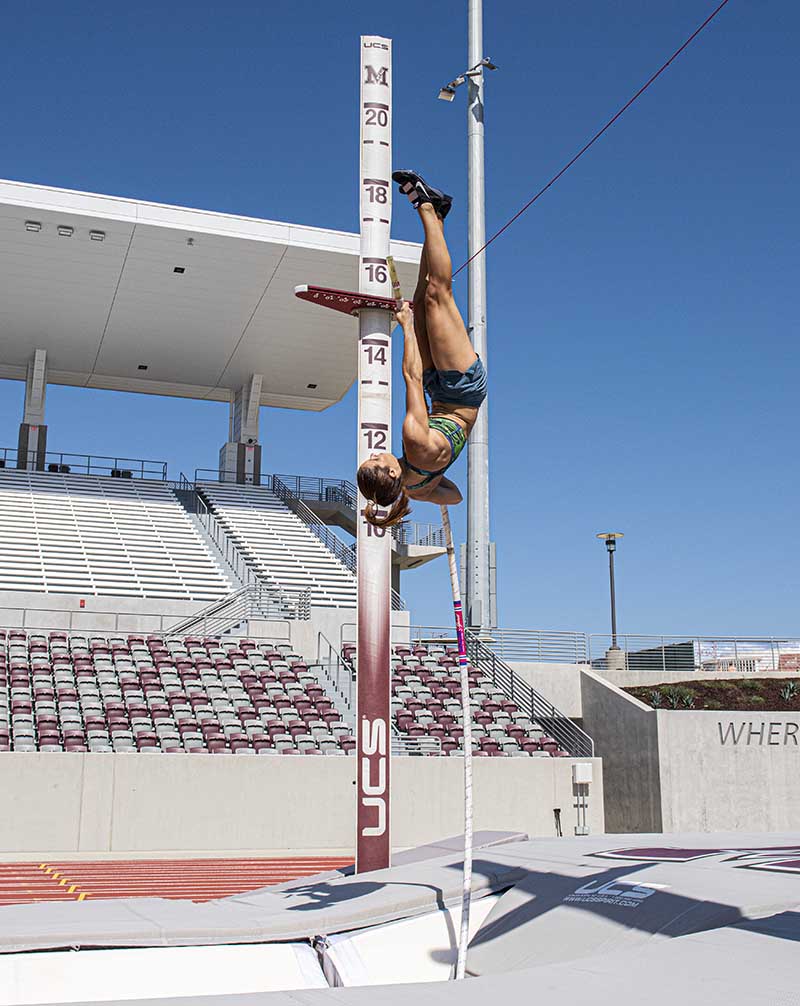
{"x": 532, "y": 703}
{"x": 294, "y": 604}
{"x": 414, "y": 746}
{"x": 538, "y": 645}
{"x": 322, "y": 490}
{"x": 65, "y": 463}
{"x": 529, "y": 701}
{"x": 694, "y": 654}
{"x": 252, "y": 601}
{"x": 344, "y": 553}
{"x": 343, "y": 676}
{"x": 312, "y": 487}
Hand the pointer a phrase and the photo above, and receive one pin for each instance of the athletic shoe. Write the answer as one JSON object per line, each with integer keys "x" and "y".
{"x": 419, "y": 191}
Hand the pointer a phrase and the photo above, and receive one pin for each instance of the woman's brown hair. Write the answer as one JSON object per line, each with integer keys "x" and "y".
{"x": 381, "y": 490}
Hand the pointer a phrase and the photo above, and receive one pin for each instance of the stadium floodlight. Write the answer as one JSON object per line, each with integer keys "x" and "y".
{"x": 33, "y": 225}
{"x": 610, "y": 538}
{"x": 65, "y": 231}
{"x": 448, "y": 92}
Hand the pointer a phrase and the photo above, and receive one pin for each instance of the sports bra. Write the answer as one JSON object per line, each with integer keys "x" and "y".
{"x": 454, "y": 434}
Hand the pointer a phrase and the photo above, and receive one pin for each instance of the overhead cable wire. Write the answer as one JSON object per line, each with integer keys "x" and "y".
{"x": 596, "y": 136}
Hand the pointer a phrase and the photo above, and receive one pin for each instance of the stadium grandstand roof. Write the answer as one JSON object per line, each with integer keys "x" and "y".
{"x": 129, "y": 295}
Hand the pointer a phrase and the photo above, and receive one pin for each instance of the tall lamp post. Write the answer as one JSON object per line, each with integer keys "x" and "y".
{"x": 610, "y": 538}
{"x": 478, "y": 577}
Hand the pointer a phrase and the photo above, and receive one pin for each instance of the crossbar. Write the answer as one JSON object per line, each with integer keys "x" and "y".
{"x": 344, "y": 301}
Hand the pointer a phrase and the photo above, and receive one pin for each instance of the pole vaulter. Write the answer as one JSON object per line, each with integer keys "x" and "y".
{"x": 375, "y": 310}
{"x": 466, "y": 709}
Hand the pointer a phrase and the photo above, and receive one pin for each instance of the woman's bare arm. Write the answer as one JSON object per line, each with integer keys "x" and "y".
{"x": 415, "y": 425}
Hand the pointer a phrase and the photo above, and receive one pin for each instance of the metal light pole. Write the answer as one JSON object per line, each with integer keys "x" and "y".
{"x": 478, "y": 451}
{"x": 610, "y": 538}
{"x": 478, "y": 592}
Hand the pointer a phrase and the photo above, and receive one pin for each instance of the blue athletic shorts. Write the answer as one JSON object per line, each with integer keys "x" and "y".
{"x": 456, "y": 388}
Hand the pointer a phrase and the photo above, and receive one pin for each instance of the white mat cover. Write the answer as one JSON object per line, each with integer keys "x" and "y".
{"x": 87, "y": 976}
{"x": 413, "y": 950}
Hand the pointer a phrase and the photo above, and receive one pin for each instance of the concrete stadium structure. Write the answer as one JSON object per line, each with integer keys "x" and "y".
{"x": 106, "y": 573}
{"x": 111, "y": 803}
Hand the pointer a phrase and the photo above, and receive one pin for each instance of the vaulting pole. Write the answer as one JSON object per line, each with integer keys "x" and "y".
{"x": 466, "y": 716}
{"x": 373, "y": 681}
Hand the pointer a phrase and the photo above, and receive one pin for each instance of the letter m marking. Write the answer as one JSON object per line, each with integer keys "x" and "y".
{"x": 374, "y": 76}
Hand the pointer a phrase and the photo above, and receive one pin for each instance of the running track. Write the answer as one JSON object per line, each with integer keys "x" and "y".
{"x": 192, "y": 879}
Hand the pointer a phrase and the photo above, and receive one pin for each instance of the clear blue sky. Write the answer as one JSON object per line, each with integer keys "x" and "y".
{"x": 642, "y": 317}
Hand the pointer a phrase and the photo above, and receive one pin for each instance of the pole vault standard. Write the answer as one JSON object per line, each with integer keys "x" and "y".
{"x": 373, "y": 680}
{"x": 374, "y": 311}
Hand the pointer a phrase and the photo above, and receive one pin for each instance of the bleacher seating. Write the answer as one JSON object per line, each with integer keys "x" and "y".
{"x": 151, "y": 693}
{"x": 82, "y": 534}
{"x": 279, "y": 545}
{"x": 426, "y": 702}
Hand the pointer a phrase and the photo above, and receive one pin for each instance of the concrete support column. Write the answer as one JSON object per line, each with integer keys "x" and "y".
{"x": 32, "y": 442}
{"x": 240, "y": 457}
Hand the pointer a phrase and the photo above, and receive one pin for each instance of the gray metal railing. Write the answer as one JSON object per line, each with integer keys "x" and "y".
{"x": 695, "y": 654}
{"x": 343, "y": 552}
{"x": 529, "y": 701}
{"x": 319, "y": 490}
{"x": 59, "y": 462}
{"x": 253, "y": 601}
{"x": 413, "y": 533}
{"x": 532, "y": 703}
{"x": 538, "y": 646}
{"x": 414, "y": 746}
{"x": 215, "y": 475}
{"x": 293, "y": 603}
{"x": 310, "y": 487}
{"x": 339, "y": 672}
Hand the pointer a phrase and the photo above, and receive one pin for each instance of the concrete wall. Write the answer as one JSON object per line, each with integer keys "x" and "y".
{"x": 625, "y": 734}
{"x": 723, "y": 771}
{"x": 559, "y": 683}
{"x": 37, "y": 610}
{"x": 66, "y": 803}
{"x": 692, "y": 770}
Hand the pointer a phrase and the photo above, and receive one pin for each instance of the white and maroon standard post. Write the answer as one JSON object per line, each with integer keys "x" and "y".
{"x": 373, "y": 842}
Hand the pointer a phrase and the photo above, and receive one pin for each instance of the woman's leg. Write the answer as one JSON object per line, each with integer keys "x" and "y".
{"x": 447, "y": 337}
{"x": 418, "y": 305}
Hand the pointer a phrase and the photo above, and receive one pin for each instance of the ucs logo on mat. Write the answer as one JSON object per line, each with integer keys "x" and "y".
{"x": 611, "y": 893}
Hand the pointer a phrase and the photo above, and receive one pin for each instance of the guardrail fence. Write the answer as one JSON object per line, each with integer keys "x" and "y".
{"x": 310, "y": 488}
{"x": 64, "y": 463}
{"x": 694, "y": 654}
{"x": 537, "y": 645}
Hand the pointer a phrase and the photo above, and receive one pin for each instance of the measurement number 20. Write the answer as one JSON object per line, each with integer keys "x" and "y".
{"x": 377, "y": 117}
